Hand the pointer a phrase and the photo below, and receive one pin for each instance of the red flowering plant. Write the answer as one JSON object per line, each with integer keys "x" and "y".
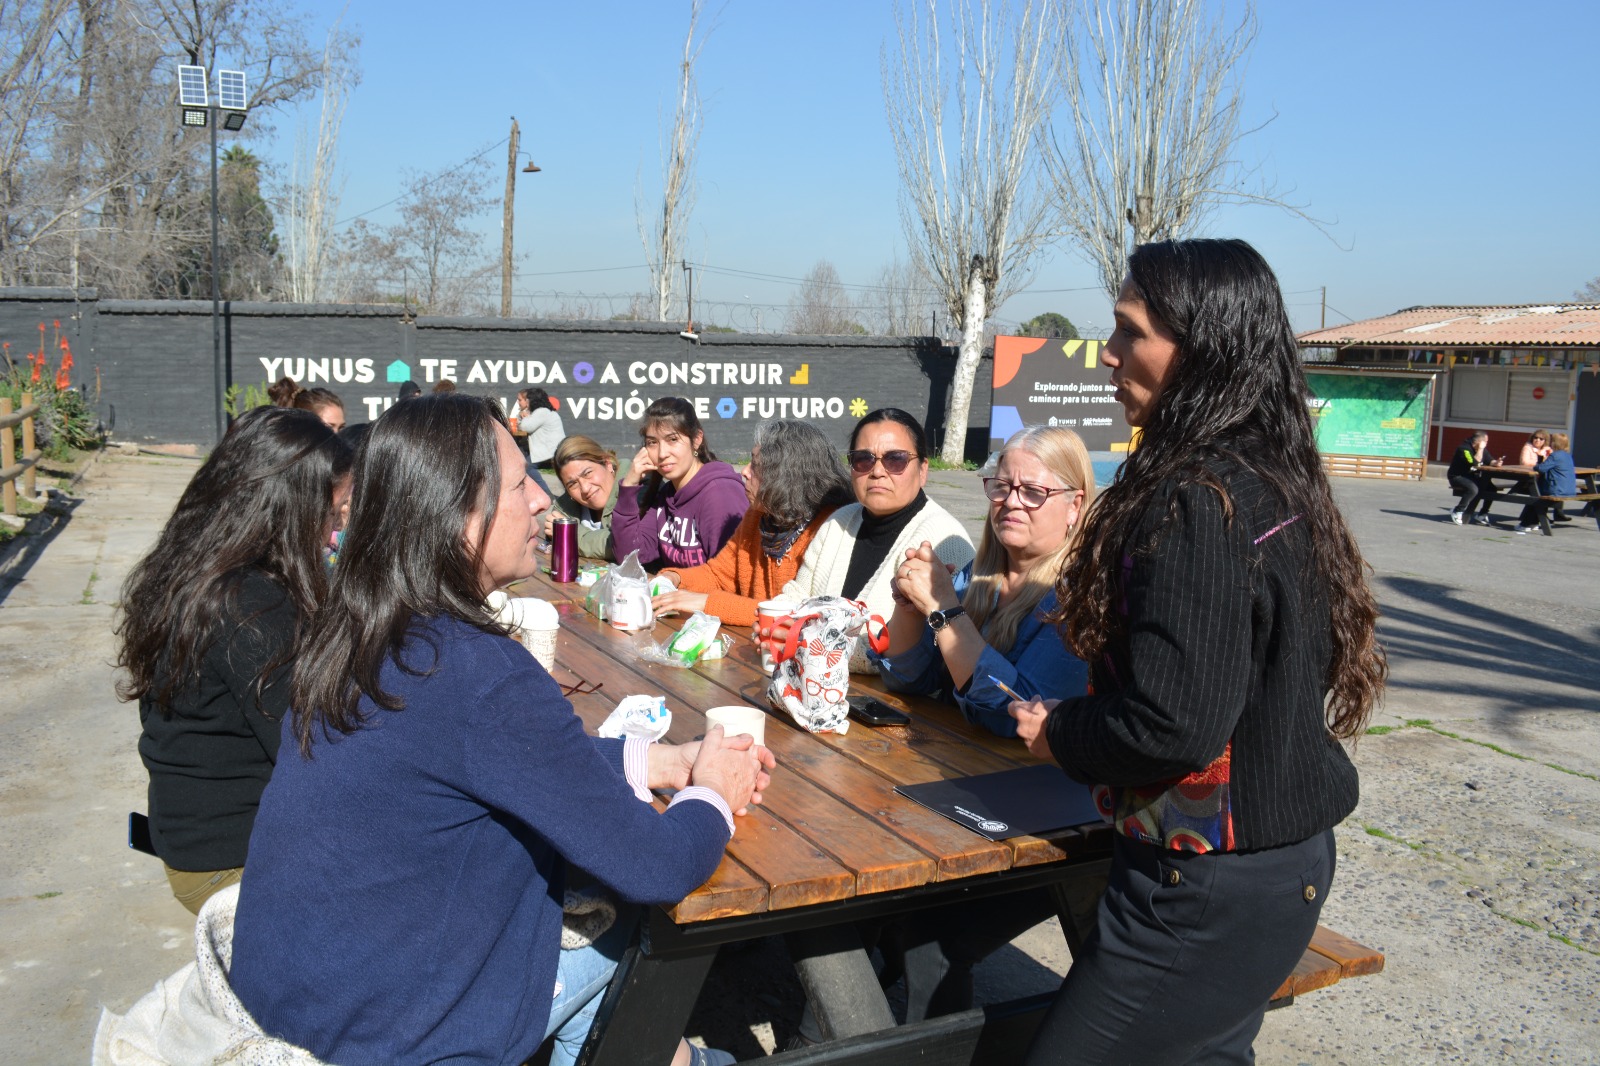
{"x": 65, "y": 420}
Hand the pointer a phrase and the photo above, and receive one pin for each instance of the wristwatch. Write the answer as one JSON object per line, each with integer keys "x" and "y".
{"x": 939, "y": 619}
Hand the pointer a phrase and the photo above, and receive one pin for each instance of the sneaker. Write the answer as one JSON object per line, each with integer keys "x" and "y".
{"x": 1455, "y": 516}
{"x": 1481, "y": 520}
{"x": 1523, "y": 531}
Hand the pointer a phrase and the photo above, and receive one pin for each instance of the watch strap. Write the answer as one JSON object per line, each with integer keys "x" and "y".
{"x": 939, "y": 619}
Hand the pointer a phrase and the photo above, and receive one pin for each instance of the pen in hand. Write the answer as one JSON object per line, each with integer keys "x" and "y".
{"x": 1008, "y": 690}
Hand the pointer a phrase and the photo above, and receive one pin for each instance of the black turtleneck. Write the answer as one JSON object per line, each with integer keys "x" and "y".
{"x": 876, "y": 536}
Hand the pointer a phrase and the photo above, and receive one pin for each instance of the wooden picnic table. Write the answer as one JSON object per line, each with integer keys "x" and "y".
{"x": 1519, "y": 474}
{"x": 832, "y": 845}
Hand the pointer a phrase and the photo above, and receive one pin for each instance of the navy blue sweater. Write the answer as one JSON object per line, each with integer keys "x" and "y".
{"x": 401, "y": 902}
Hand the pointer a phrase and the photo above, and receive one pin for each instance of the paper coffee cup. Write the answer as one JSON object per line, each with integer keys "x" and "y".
{"x": 739, "y": 719}
{"x": 767, "y": 612}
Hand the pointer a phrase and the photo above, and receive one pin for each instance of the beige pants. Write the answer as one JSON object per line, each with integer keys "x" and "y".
{"x": 192, "y": 889}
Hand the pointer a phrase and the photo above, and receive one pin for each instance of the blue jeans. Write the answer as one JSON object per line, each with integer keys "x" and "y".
{"x": 581, "y": 978}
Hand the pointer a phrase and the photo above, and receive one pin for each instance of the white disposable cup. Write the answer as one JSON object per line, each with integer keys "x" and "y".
{"x": 767, "y": 612}
{"x": 739, "y": 719}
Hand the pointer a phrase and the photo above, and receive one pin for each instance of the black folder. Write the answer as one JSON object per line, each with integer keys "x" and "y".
{"x": 1010, "y": 803}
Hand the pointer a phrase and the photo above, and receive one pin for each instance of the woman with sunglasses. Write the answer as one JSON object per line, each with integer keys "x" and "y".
{"x": 1222, "y": 604}
{"x": 857, "y": 551}
{"x": 958, "y": 635}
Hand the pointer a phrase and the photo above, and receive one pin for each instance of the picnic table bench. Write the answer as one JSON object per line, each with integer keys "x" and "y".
{"x": 1518, "y": 474}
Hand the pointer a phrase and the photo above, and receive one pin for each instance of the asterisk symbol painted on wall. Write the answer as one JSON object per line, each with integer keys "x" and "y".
{"x": 858, "y": 407}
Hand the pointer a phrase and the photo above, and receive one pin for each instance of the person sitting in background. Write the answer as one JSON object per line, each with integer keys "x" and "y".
{"x": 283, "y": 391}
{"x": 538, "y": 422}
{"x": 1557, "y": 477}
{"x": 1465, "y": 474}
{"x": 434, "y": 931}
{"x": 409, "y": 389}
{"x": 208, "y": 623}
{"x": 678, "y": 504}
{"x": 589, "y": 473}
{"x": 857, "y": 550}
{"x": 444, "y": 385}
{"x": 952, "y": 643}
{"x": 794, "y": 482}
{"x": 324, "y": 403}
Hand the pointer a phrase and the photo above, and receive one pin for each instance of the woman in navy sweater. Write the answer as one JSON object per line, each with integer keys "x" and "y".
{"x": 1222, "y": 605}
{"x": 403, "y": 898}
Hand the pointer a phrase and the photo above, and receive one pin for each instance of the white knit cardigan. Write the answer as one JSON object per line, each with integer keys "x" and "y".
{"x": 827, "y": 560}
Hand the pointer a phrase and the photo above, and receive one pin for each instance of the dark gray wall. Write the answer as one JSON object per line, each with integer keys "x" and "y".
{"x": 153, "y": 364}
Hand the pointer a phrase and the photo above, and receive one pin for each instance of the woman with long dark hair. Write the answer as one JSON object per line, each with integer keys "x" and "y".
{"x": 794, "y": 482}
{"x": 1222, "y": 604}
{"x": 208, "y": 624}
{"x": 403, "y": 901}
{"x": 678, "y": 504}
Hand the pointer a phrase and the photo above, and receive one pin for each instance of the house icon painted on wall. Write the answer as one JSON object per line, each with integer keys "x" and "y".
{"x": 397, "y": 371}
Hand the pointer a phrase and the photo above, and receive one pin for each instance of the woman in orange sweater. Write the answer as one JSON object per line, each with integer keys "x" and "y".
{"x": 795, "y": 481}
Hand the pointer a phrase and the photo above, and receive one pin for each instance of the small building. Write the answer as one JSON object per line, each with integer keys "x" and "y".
{"x": 1506, "y": 369}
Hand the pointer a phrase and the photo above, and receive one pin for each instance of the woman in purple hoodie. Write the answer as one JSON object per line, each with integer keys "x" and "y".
{"x": 677, "y": 505}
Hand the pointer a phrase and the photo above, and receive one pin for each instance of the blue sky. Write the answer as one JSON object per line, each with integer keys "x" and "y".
{"x": 1454, "y": 147}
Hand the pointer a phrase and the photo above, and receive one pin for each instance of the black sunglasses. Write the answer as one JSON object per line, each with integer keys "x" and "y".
{"x": 895, "y": 463}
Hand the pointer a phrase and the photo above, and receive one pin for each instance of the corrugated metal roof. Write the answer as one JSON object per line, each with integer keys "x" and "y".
{"x": 1525, "y": 326}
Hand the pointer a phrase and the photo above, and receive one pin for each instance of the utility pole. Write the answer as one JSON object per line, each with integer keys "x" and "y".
{"x": 1324, "y": 308}
{"x": 505, "y": 236}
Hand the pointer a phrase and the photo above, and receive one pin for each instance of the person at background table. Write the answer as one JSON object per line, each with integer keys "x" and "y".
{"x": 541, "y": 425}
{"x": 324, "y": 403}
{"x": 432, "y": 930}
{"x": 858, "y": 549}
{"x": 678, "y": 505}
{"x": 208, "y": 624}
{"x": 589, "y": 473}
{"x": 794, "y": 482}
{"x": 1535, "y": 450}
{"x": 282, "y": 392}
{"x": 950, "y": 635}
{"x": 1465, "y": 474}
{"x": 1222, "y": 604}
{"x": 1557, "y": 477}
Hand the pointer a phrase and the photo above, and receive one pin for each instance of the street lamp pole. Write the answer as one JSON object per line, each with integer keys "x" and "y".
{"x": 216, "y": 287}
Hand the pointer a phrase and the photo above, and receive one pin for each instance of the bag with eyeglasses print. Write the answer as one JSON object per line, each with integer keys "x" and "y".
{"x": 812, "y": 677}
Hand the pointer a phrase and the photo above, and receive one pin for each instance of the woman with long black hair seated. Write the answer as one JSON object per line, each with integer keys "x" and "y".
{"x": 208, "y": 625}
{"x": 403, "y": 900}
{"x": 1222, "y": 604}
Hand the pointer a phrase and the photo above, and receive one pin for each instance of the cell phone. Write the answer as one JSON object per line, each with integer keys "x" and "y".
{"x": 139, "y": 833}
{"x": 869, "y": 710}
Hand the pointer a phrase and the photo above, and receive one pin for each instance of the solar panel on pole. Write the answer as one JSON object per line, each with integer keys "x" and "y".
{"x": 192, "y": 86}
{"x": 230, "y": 90}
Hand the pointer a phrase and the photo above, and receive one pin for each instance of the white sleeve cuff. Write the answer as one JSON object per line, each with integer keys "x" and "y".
{"x": 701, "y": 792}
{"x": 636, "y": 766}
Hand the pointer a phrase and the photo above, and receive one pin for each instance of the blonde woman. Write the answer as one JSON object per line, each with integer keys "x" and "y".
{"x": 954, "y": 635}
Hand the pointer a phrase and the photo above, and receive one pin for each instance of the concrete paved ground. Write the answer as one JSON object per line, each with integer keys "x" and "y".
{"x": 1473, "y": 860}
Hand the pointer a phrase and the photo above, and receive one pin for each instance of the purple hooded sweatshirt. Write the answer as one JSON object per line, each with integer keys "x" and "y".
{"x": 683, "y": 527}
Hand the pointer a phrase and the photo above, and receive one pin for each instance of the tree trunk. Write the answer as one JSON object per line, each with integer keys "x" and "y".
{"x": 974, "y": 311}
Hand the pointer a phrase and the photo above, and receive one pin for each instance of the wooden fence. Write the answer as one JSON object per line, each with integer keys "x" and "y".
{"x": 12, "y": 466}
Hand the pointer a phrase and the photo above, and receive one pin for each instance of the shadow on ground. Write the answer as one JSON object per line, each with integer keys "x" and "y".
{"x": 28, "y": 547}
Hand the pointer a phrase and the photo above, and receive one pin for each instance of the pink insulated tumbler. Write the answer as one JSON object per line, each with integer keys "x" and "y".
{"x": 564, "y": 548}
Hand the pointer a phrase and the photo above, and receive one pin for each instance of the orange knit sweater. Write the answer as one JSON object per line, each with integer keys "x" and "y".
{"x": 741, "y": 575}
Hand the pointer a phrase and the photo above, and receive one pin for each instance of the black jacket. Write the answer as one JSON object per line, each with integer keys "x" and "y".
{"x": 1222, "y": 675}
{"x": 211, "y": 757}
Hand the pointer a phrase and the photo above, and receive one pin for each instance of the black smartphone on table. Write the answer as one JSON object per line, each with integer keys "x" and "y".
{"x": 869, "y": 710}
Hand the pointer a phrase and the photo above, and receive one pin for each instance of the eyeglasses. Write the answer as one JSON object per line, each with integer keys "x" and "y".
{"x": 1031, "y": 497}
{"x": 582, "y": 688}
{"x": 894, "y": 463}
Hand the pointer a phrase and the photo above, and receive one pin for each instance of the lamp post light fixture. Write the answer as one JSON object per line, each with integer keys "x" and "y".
{"x": 198, "y": 112}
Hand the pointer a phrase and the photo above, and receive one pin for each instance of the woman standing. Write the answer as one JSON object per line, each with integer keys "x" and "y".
{"x": 538, "y": 421}
{"x": 954, "y": 635}
{"x": 678, "y": 505}
{"x": 794, "y": 482}
{"x": 1223, "y": 605}
{"x": 208, "y": 623}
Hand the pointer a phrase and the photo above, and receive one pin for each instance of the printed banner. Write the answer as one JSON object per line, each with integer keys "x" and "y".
{"x": 1370, "y": 412}
{"x": 1054, "y": 382}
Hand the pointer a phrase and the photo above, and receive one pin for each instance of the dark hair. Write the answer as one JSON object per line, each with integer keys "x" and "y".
{"x": 314, "y": 400}
{"x": 798, "y": 474}
{"x": 354, "y": 433}
{"x": 424, "y": 468}
{"x": 538, "y": 399}
{"x": 1237, "y": 392}
{"x": 283, "y": 391}
{"x": 409, "y": 389}
{"x": 260, "y": 501}
{"x": 677, "y": 414}
{"x": 919, "y": 439}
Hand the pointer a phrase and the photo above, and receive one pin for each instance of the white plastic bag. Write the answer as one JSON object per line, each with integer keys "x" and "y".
{"x": 628, "y": 599}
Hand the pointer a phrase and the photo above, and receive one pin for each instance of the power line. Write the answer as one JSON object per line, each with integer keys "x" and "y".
{"x": 432, "y": 181}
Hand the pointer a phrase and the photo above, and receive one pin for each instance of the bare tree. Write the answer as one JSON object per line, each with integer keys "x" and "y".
{"x": 663, "y": 236}
{"x": 904, "y": 305}
{"x": 1153, "y": 89}
{"x": 311, "y": 199}
{"x": 822, "y": 306}
{"x": 433, "y": 251}
{"x": 964, "y": 108}
{"x": 1590, "y": 293}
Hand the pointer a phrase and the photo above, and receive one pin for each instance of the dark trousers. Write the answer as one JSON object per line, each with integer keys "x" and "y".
{"x": 1472, "y": 489}
{"x": 1186, "y": 952}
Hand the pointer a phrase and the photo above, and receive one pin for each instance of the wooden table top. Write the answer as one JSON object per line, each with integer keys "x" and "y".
{"x": 1528, "y": 471}
{"x": 831, "y": 826}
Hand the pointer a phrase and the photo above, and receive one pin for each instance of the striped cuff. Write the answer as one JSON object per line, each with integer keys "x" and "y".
{"x": 701, "y": 792}
{"x": 636, "y": 766}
